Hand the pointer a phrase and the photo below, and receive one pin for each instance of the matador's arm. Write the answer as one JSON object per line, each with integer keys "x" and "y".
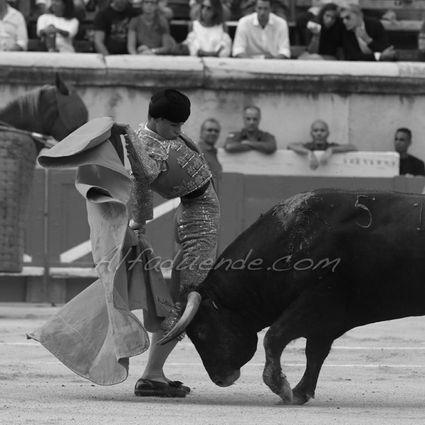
{"x": 144, "y": 170}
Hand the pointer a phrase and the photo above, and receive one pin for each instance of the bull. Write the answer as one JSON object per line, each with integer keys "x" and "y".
{"x": 315, "y": 266}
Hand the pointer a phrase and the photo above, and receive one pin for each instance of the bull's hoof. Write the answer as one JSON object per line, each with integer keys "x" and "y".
{"x": 286, "y": 394}
{"x": 300, "y": 397}
{"x": 278, "y": 384}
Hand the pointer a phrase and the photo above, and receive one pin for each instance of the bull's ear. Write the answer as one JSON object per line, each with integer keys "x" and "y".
{"x": 60, "y": 85}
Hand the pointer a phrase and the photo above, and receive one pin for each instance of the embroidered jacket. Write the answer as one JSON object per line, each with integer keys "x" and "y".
{"x": 173, "y": 168}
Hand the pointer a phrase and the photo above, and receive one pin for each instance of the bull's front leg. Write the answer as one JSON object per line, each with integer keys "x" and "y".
{"x": 273, "y": 376}
{"x": 308, "y": 315}
{"x": 317, "y": 349}
{"x": 293, "y": 323}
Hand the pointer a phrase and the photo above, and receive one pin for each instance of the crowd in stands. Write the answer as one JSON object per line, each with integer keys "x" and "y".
{"x": 317, "y": 151}
{"x": 328, "y": 30}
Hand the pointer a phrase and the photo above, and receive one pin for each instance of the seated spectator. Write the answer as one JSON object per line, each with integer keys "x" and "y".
{"x": 210, "y": 132}
{"x": 324, "y": 34}
{"x": 364, "y": 38}
{"x": 111, "y": 27}
{"x": 149, "y": 33}
{"x": 246, "y": 7}
{"x": 13, "y": 34}
{"x": 58, "y": 28}
{"x": 43, "y": 6}
{"x": 305, "y": 17}
{"x": 319, "y": 142}
{"x": 209, "y": 36}
{"x": 250, "y": 137}
{"x": 409, "y": 164}
{"x": 262, "y": 34}
{"x": 196, "y": 5}
{"x": 312, "y": 14}
{"x": 162, "y": 7}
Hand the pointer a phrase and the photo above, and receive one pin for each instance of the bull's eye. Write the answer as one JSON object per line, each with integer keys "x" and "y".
{"x": 202, "y": 333}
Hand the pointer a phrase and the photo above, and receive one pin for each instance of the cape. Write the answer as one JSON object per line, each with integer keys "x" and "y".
{"x": 95, "y": 333}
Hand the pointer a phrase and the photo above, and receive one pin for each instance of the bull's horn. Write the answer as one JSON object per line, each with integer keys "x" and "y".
{"x": 193, "y": 301}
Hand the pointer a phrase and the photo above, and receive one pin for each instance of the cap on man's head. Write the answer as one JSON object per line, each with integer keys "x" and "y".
{"x": 171, "y": 105}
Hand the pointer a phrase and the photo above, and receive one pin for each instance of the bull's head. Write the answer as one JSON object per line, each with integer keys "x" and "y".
{"x": 223, "y": 338}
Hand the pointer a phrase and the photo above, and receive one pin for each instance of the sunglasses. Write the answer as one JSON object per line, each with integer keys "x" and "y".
{"x": 205, "y": 6}
{"x": 215, "y": 130}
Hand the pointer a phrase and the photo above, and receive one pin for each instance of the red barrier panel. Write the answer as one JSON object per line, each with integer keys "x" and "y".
{"x": 57, "y": 234}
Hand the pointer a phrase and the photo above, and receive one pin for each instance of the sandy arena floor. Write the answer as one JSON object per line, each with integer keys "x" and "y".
{"x": 374, "y": 375}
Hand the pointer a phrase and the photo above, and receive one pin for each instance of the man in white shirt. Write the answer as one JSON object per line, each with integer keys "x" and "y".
{"x": 13, "y": 29}
{"x": 262, "y": 34}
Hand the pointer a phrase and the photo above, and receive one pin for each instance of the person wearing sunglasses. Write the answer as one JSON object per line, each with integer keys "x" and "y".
{"x": 208, "y": 36}
{"x": 364, "y": 38}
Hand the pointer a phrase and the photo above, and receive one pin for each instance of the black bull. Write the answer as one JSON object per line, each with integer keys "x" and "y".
{"x": 314, "y": 266}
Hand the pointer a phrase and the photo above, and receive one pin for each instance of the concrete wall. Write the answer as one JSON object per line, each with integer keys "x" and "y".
{"x": 362, "y": 102}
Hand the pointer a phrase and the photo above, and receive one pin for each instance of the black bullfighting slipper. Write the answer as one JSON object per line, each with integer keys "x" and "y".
{"x": 179, "y": 384}
{"x": 148, "y": 388}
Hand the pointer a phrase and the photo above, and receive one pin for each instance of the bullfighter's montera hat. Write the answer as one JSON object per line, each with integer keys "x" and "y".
{"x": 170, "y": 104}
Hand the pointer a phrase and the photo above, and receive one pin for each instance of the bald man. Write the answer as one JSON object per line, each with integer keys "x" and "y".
{"x": 319, "y": 132}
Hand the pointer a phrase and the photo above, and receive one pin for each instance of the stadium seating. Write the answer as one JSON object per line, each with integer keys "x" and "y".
{"x": 403, "y": 31}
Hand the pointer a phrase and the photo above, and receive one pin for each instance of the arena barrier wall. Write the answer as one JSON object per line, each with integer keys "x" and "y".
{"x": 58, "y": 262}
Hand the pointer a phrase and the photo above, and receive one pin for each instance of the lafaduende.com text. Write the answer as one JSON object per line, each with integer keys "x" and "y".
{"x": 250, "y": 262}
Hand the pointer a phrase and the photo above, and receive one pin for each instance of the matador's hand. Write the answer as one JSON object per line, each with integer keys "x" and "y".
{"x": 130, "y": 137}
{"x": 139, "y": 228}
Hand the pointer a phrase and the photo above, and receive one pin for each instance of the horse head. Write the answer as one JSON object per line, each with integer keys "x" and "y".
{"x": 71, "y": 111}
{"x": 53, "y": 110}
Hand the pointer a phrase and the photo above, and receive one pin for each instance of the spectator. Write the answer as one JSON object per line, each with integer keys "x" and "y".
{"x": 312, "y": 14}
{"x": 409, "y": 164}
{"x": 58, "y": 28}
{"x": 13, "y": 29}
{"x": 319, "y": 134}
{"x": 246, "y": 7}
{"x": 149, "y": 33}
{"x": 196, "y": 5}
{"x": 210, "y": 132}
{"x": 111, "y": 27}
{"x": 363, "y": 38}
{"x": 324, "y": 34}
{"x": 162, "y": 7}
{"x": 304, "y": 17}
{"x": 209, "y": 36}
{"x": 250, "y": 137}
{"x": 262, "y": 34}
{"x": 43, "y": 6}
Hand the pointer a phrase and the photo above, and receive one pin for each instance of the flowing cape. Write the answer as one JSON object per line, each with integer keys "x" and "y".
{"x": 95, "y": 333}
